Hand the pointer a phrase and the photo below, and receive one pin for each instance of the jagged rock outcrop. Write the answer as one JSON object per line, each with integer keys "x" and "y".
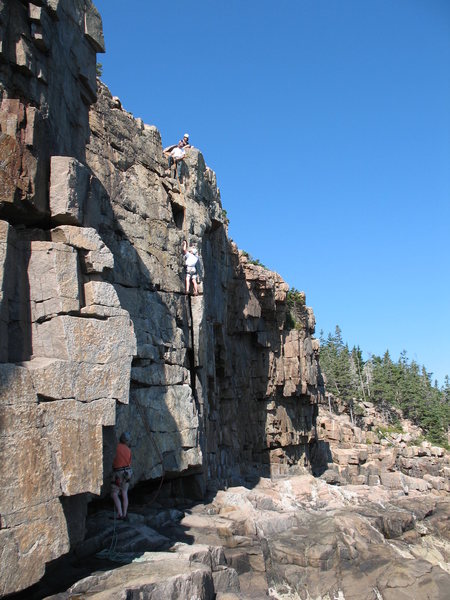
{"x": 96, "y": 333}
{"x": 368, "y": 454}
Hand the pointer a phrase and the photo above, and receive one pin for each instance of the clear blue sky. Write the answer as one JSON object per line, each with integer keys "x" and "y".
{"x": 328, "y": 125}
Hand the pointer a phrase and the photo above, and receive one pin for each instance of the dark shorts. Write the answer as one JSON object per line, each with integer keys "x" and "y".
{"x": 120, "y": 479}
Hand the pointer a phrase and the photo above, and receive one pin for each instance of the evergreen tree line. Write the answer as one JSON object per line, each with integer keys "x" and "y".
{"x": 402, "y": 385}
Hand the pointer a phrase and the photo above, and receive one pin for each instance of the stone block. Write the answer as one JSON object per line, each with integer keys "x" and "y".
{"x": 437, "y": 451}
{"x": 39, "y": 536}
{"x": 53, "y": 281}
{"x": 24, "y": 57}
{"x": 34, "y": 12}
{"x": 438, "y": 483}
{"x": 16, "y": 386}
{"x": 85, "y": 340}
{"x": 97, "y": 256}
{"x": 409, "y": 451}
{"x": 96, "y": 261}
{"x": 387, "y": 457}
{"x": 393, "y": 481}
{"x": 93, "y": 28}
{"x": 83, "y": 238}
{"x": 162, "y": 575}
{"x": 55, "y": 379}
{"x": 373, "y": 480}
{"x": 160, "y": 374}
{"x": 171, "y": 415}
{"x": 9, "y": 123}
{"x": 362, "y": 455}
{"x": 40, "y": 41}
{"x": 69, "y": 184}
{"x": 32, "y": 121}
{"x": 52, "y": 7}
{"x": 345, "y": 457}
{"x": 26, "y": 460}
{"x": 11, "y": 167}
{"x": 226, "y": 580}
{"x": 100, "y": 311}
{"x": 76, "y": 442}
{"x": 101, "y": 293}
{"x": 414, "y": 483}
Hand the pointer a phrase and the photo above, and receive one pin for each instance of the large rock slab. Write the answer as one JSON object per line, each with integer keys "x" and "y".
{"x": 187, "y": 572}
{"x": 96, "y": 255}
{"x": 53, "y": 280}
{"x": 87, "y": 340}
{"x": 69, "y": 184}
{"x": 49, "y": 450}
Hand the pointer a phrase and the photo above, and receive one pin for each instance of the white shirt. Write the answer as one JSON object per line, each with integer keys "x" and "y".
{"x": 178, "y": 152}
{"x": 190, "y": 259}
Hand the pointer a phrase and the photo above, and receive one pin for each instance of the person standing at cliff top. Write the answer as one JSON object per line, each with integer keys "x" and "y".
{"x": 122, "y": 473}
{"x": 190, "y": 264}
{"x": 177, "y": 154}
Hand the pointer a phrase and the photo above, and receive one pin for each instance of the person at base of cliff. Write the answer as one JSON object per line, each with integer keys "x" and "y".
{"x": 177, "y": 154}
{"x": 190, "y": 263}
{"x": 122, "y": 473}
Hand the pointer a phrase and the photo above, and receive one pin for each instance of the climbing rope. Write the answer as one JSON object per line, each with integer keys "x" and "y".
{"x": 110, "y": 553}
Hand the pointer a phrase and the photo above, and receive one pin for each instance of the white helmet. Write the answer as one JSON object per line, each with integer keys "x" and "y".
{"x": 186, "y": 135}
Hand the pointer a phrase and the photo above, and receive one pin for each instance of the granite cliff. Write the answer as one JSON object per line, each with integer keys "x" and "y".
{"x": 97, "y": 335}
{"x": 264, "y": 486}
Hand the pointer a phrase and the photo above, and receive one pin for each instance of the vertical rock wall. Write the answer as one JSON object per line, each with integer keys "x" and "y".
{"x": 220, "y": 382}
{"x": 64, "y": 363}
{"x": 96, "y": 333}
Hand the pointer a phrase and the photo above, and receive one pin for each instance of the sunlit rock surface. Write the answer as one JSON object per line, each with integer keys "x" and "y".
{"x": 96, "y": 332}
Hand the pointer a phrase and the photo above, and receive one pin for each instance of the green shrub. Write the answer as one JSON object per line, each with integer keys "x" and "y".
{"x": 294, "y": 297}
{"x": 253, "y": 261}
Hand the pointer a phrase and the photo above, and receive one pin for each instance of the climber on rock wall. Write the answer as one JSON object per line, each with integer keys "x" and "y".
{"x": 190, "y": 263}
{"x": 176, "y": 154}
{"x": 121, "y": 476}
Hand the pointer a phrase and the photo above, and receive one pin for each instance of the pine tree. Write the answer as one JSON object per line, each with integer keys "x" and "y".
{"x": 391, "y": 385}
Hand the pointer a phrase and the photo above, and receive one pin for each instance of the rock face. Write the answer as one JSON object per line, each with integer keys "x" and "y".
{"x": 369, "y": 455}
{"x": 96, "y": 333}
{"x": 48, "y": 80}
{"x": 225, "y": 357}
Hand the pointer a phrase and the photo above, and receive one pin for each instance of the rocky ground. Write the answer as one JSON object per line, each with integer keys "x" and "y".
{"x": 374, "y": 525}
{"x": 293, "y": 538}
